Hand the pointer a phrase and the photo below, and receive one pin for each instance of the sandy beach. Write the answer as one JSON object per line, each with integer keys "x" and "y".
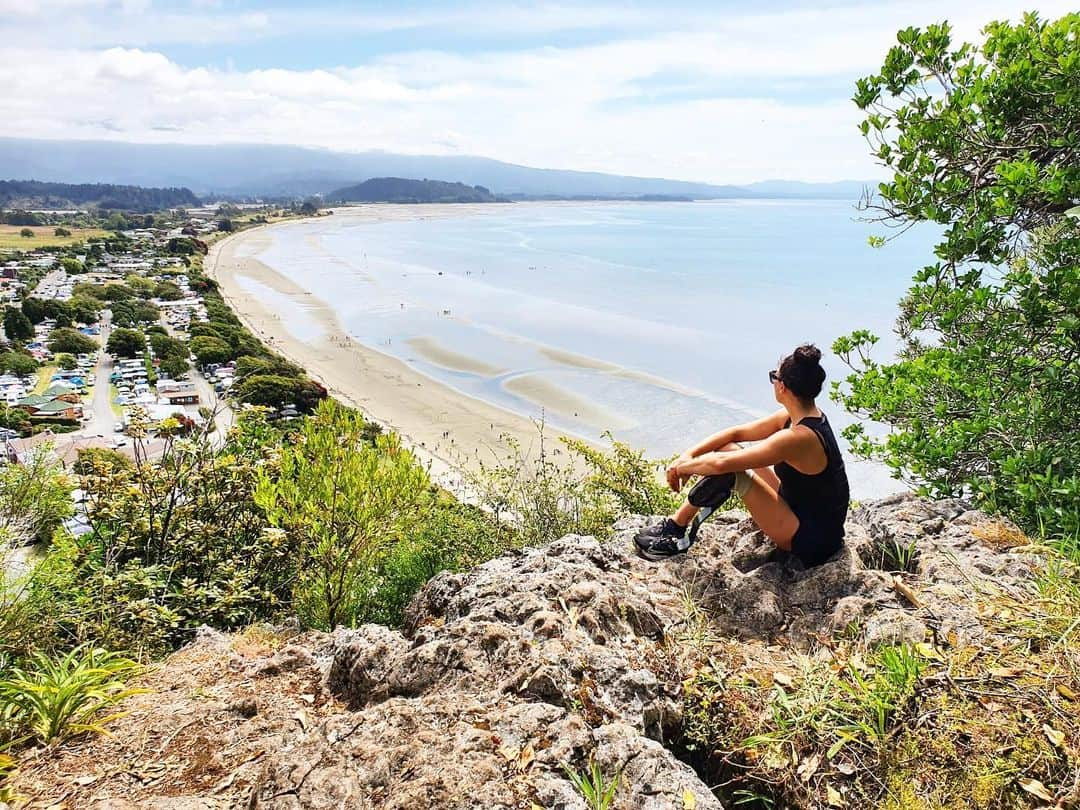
{"x": 445, "y": 428}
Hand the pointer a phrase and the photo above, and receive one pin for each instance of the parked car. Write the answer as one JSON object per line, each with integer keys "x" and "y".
{"x": 118, "y": 427}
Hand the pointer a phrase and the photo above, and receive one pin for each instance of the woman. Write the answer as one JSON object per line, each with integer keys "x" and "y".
{"x": 793, "y": 481}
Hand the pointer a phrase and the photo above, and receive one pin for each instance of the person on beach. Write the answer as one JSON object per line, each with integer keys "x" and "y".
{"x": 793, "y": 481}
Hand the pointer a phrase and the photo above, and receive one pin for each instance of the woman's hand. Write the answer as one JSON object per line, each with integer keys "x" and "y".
{"x": 674, "y": 480}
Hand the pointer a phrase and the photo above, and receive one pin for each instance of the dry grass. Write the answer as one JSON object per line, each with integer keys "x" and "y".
{"x": 993, "y": 725}
{"x": 44, "y": 236}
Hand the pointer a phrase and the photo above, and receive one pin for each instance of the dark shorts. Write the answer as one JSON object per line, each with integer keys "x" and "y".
{"x": 815, "y": 540}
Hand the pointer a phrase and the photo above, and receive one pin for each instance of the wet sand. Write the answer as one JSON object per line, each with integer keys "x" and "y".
{"x": 445, "y": 428}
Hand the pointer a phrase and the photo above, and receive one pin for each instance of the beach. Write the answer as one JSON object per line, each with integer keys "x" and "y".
{"x": 447, "y": 430}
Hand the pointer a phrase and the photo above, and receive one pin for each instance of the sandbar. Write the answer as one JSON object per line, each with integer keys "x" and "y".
{"x": 445, "y": 428}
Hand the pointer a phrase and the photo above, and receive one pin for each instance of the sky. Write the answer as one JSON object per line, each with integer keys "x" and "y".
{"x": 721, "y": 91}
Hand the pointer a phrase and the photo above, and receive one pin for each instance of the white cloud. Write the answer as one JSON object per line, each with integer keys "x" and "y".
{"x": 732, "y": 118}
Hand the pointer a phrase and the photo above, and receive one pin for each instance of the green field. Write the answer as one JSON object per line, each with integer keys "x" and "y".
{"x": 44, "y": 236}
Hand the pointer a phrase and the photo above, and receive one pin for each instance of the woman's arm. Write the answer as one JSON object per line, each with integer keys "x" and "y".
{"x": 772, "y": 450}
{"x": 749, "y": 432}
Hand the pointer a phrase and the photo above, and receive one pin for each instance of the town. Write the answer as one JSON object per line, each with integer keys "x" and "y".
{"x": 120, "y": 336}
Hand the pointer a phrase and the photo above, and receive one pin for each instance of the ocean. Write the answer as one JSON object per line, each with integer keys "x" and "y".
{"x": 656, "y": 321}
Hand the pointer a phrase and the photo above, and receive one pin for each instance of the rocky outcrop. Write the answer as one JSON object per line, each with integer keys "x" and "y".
{"x": 546, "y": 657}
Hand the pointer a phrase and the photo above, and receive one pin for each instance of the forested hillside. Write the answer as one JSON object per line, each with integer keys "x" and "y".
{"x": 400, "y": 190}
{"x": 36, "y": 194}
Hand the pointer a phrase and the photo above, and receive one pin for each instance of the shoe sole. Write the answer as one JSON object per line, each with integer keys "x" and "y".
{"x": 653, "y": 556}
{"x": 705, "y": 513}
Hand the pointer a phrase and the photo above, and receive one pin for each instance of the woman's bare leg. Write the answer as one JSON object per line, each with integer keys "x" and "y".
{"x": 769, "y": 511}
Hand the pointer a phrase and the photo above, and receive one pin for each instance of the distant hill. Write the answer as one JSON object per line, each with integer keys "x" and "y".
{"x": 251, "y": 170}
{"x": 38, "y": 194}
{"x": 401, "y": 190}
{"x": 258, "y": 170}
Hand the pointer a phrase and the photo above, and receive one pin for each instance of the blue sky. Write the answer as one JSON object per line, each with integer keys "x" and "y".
{"x": 719, "y": 91}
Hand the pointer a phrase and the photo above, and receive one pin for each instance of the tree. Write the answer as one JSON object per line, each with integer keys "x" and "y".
{"x": 211, "y": 350}
{"x": 986, "y": 143}
{"x": 17, "y": 326}
{"x": 344, "y": 504}
{"x": 175, "y": 367}
{"x": 35, "y": 497}
{"x": 27, "y": 233}
{"x": 72, "y": 266}
{"x": 225, "y": 225}
{"x": 15, "y": 419}
{"x": 165, "y": 346}
{"x": 84, "y": 309}
{"x": 310, "y": 207}
{"x": 61, "y": 232}
{"x": 21, "y": 365}
{"x": 276, "y": 391}
{"x": 65, "y": 361}
{"x": 35, "y": 309}
{"x": 70, "y": 341}
{"x": 125, "y": 343}
{"x": 168, "y": 291}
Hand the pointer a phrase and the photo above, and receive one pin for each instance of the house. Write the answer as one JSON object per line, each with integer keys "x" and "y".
{"x": 58, "y": 409}
{"x": 178, "y": 398}
{"x": 63, "y": 392}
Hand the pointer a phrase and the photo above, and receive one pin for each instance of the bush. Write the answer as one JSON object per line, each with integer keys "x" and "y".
{"x": 211, "y": 350}
{"x": 52, "y": 700}
{"x": 176, "y": 543}
{"x": 344, "y": 504}
{"x": 35, "y": 497}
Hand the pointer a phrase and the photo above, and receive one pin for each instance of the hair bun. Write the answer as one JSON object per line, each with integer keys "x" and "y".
{"x": 808, "y": 353}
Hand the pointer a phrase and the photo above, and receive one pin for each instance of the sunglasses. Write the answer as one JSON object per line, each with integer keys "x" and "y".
{"x": 774, "y": 377}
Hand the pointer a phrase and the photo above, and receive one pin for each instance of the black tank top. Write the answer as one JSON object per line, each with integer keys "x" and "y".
{"x": 824, "y": 496}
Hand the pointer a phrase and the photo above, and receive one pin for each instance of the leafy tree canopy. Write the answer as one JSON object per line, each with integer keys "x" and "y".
{"x": 70, "y": 341}
{"x": 986, "y": 142}
{"x": 125, "y": 343}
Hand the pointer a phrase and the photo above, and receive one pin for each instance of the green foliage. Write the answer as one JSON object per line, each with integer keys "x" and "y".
{"x": 984, "y": 141}
{"x": 17, "y": 326}
{"x": 131, "y": 312}
{"x": 71, "y": 265}
{"x": 85, "y": 309}
{"x": 537, "y": 494}
{"x": 14, "y": 419}
{"x": 54, "y": 699}
{"x": 18, "y": 363}
{"x": 343, "y": 503}
{"x": 211, "y": 350}
{"x": 168, "y": 291}
{"x": 61, "y": 232}
{"x": 125, "y": 343}
{"x": 27, "y": 233}
{"x": 165, "y": 347}
{"x": 70, "y": 341}
{"x": 176, "y": 543}
{"x": 595, "y": 788}
{"x": 35, "y": 497}
{"x": 65, "y": 361}
{"x": 175, "y": 367}
{"x": 275, "y": 391}
{"x": 100, "y": 461}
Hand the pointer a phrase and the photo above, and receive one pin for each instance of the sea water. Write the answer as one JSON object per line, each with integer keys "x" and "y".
{"x": 661, "y": 319}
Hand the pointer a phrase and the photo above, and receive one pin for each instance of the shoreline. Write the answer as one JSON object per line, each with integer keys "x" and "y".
{"x": 450, "y": 432}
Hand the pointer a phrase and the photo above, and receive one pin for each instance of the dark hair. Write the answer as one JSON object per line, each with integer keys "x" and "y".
{"x": 802, "y": 373}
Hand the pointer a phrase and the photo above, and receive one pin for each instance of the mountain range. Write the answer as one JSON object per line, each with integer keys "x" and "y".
{"x": 240, "y": 170}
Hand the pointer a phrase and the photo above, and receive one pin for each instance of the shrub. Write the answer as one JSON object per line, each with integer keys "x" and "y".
{"x": 35, "y": 497}
{"x": 343, "y": 503}
{"x": 176, "y": 543}
{"x": 54, "y": 699}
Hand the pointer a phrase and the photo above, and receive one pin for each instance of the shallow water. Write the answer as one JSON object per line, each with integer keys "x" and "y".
{"x": 657, "y": 320}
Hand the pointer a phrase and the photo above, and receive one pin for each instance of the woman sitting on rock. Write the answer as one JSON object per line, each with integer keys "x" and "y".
{"x": 793, "y": 481}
